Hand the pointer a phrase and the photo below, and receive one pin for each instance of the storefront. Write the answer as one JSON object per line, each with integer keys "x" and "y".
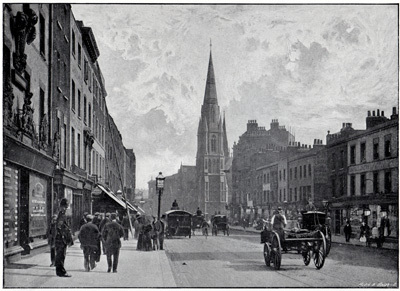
{"x": 27, "y": 187}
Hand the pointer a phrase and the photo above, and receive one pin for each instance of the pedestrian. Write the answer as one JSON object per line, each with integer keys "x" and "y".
{"x": 125, "y": 225}
{"x": 347, "y": 230}
{"x": 111, "y": 234}
{"x": 97, "y": 219}
{"x": 103, "y": 222}
{"x": 83, "y": 219}
{"x": 375, "y": 235}
{"x": 364, "y": 233}
{"x": 310, "y": 206}
{"x": 244, "y": 223}
{"x": 63, "y": 239}
{"x": 89, "y": 236}
{"x": 147, "y": 229}
{"x": 51, "y": 239}
{"x": 136, "y": 226}
{"x": 384, "y": 229}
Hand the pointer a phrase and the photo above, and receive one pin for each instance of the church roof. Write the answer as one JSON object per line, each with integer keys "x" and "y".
{"x": 210, "y": 95}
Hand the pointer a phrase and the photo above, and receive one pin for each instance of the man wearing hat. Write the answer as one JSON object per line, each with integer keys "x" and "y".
{"x": 111, "y": 234}
{"x": 89, "y": 236}
{"x": 83, "y": 219}
{"x": 279, "y": 222}
{"x": 63, "y": 239}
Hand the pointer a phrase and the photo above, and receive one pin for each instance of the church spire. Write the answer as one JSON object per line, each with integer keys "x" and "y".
{"x": 210, "y": 95}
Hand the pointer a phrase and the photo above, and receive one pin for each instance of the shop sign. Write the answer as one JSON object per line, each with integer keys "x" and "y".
{"x": 37, "y": 206}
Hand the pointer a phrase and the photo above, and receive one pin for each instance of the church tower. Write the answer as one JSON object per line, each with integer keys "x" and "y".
{"x": 212, "y": 151}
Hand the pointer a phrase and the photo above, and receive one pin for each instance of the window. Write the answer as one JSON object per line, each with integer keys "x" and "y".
{"x": 295, "y": 172}
{"x": 333, "y": 161}
{"x": 64, "y": 146}
{"x": 352, "y": 185}
{"x": 267, "y": 178}
{"x": 280, "y": 175}
{"x": 85, "y": 71}
{"x": 376, "y": 182}
{"x": 342, "y": 157}
{"x": 73, "y": 96}
{"x": 353, "y": 154}
{"x": 284, "y": 174}
{"x": 362, "y": 184}
{"x": 41, "y": 106}
{"x": 72, "y": 146}
{"x": 376, "y": 148}
{"x": 6, "y": 64}
{"x": 213, "y": 144}
{"x": 84, "y": 109}
{"x": 362, "y": 152}
{"x": 305, "y": 171}
{"x": 309, "y": 170}
{"x": 79, "y": 150}
{"x": 284, "y": 194}
{"x": 79, "y": 103}
{"x": 290, "y": 194}
{"x": 295, "y": 194}
{"x": 388, "y": 182}
{"x": 207, "y": 191}
{"x": 73, "y": 42}
{"x": 333, "y": 184}
{"x": 301, "y": 172}
{"x": 205, "y": 163}
{"x": 388, "y": 147}
{"x": 79, "y": 55}
{"x": 290, "y": 174}
{"x": 85, "y": 157}
{"x": 280, "y": 195}
{"x": 342, "y": 184}
{"x": 42, "y": 28}
{"x": 90, "y": 115}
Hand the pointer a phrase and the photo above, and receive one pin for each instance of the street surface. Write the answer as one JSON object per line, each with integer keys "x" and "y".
{"x": 237, "y": 261}
{"x": 222, "y": 261}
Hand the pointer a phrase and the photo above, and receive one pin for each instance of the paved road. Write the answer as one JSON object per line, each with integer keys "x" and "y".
{"x": 237, "y": 261}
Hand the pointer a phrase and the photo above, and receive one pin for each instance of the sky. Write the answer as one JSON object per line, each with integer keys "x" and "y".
{"x": 312, "y": 67}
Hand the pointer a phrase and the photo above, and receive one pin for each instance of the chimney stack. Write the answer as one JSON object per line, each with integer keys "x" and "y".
{"x": 377, "y": 112}
{"x": 369, "y": 112}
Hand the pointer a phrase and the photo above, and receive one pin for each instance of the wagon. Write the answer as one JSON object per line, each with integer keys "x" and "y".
{"x": 310, "y": 243}
{"x": 178, "y": 223}
{"x": 220, "y": 223}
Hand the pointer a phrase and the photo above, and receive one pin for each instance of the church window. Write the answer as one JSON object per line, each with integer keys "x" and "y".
{"x": 213, "y": 143}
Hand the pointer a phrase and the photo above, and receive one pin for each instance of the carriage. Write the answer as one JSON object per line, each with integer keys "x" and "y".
{"x": 197, "y": 222}
{"x": 220, "y": 223}
{"x": 309, "y": 241}
{"x": 178, "y": 223}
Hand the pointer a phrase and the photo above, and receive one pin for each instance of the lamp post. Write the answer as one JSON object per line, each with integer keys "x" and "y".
{"x": 159, "y": 187}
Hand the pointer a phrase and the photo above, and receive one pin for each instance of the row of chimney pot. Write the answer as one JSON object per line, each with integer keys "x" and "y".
{"x": 381, "y": 113}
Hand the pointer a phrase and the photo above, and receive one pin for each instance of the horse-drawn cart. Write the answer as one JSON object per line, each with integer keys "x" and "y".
{"x": 220, "y": 223}
{"x": 310, "y": 243}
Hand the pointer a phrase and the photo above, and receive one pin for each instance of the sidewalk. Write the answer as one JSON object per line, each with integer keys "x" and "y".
{"x": 135, "y": 269}
{"x": 339, "y": 239}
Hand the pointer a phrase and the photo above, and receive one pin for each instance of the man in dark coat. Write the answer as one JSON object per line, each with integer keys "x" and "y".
{"x": 51, "y": 239}
{"x": 347, "y": 230}
{"x": 125, "y": 225}
{"x": 89, "y": 236}
{"x": 83, "y": 219}
{"x": 103, "y": 222}
{"x": 111, "y": 234}
{"x": 63, "y": 239}
{"x": 97, "y": 219}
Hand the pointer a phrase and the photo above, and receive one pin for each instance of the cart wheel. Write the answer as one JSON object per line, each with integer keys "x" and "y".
{"x": 319, "y": 251}
{"x": 267, "y": 254}
{"x": 306, "y": 253}
{"x": 328, "y": 236}
{"x": 276, "y": 254}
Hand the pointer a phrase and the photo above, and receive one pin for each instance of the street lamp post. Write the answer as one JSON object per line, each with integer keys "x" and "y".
{"x": 159, "y": 187}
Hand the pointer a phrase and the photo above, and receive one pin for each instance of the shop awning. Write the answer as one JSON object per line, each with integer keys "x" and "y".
{"x": 115, "y": 198}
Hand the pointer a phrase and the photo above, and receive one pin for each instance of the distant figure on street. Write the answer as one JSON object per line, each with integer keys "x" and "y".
{"x": 375, "y": 235}
{"x": 89, "y": 236}
{"x": 51, "y": 239}
{"x": 140, "y": 232}
{"x": 125, "y": 225}
{"x": 199, "y": 212}
{"x": 83, "y": 219}
{"x": 136, "y": 227}
{"x": 147, "y": 231}
{"x": 63, "y": 239}
{"x": 174, "y": 205}
{"x": 156, "y": 233}
{"x": 111, "y": 234}
{"x": 347, "y": 230}
{"x": 384, "y": 229}
{"x": 310, "y": 206}
{"x": 365, "y": 232}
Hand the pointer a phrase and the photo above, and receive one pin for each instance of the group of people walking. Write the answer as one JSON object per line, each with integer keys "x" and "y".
{"x": 150, "y": 235}
{"x": 100, "y": 233}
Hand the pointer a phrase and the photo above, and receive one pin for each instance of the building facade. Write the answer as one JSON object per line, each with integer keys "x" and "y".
{"x": 54, "y": 120}
{"x": 371, "y": 190}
